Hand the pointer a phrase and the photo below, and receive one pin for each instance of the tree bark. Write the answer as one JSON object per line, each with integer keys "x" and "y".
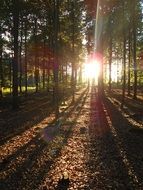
{"x": 80, "y": 74}
{"x": 99, "y": 45}
{"x": 110, "y": 63}
{"x": 15, "y": 59}
{"x": 44, "y": 64}
{"x": 124, "y": 58}
{"x": 25, "y": 34}
{"x": 129, "y": 65}
{"x": 20, "y": 56}
{"x": 56, "y": 61}
{"x": 134, "y": 50}
{"x": 124, "y": 72}
{"x": 36, "y": 57}
{"x": 1, "y": 71}
{"x": 73, "y": 52}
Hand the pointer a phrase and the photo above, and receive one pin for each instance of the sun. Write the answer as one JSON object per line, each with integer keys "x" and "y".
{"x": 92, "y": 70}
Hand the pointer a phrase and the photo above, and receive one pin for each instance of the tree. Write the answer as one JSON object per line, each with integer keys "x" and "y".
{"x": 15, "y": 58}
{"x": 134, "y": 47}
{"x": 56, "y": 60}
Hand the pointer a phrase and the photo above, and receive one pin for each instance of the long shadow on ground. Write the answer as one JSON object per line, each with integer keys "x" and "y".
{"x": 110, "y": 161}
{"x": 36, "y": 161}
{"x": 131, "y": 143}
{"x": 17, "y": 127}
{"x": 24, "y": 120}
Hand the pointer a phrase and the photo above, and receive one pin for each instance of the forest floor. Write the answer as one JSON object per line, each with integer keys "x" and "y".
{"x": 98, "y": 145}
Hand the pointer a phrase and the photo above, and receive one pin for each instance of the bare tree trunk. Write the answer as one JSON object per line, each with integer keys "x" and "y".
{"x": 62, "y": 73}
{"x": 73, "y": 83}
{"x": 1, "y": 71}
{"x": 124, "y": 72}
{"x": 129, "y": 65}
{"x": 44, "y": 64}
{"x": 56, "y": 61}
{"x": 73, "y": 52}
{"x": 80, "y": 74}
{"x": 20, "y": 56}
{"x": 124, "y": 59}
{"x": 117, "y": 65}
{"x": 48, "y": 72}
{"x": 36, "y": 57}
{"x": 134, "y": 49}
{"x": 25, "y": 33}
{"x": 50, "y": 23}
{"x": 10, "y": 72}
{"x": 110, "y": 63}
{"x": 100, "y": 78}
{"x": 66, "y": 75}
{"x": 99, "y": 45}
{"x": 15, "y": 59}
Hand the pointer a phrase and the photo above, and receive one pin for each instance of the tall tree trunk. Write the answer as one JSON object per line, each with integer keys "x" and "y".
{"x": 25, "y": 34}
{"x": 124, "y": 72}
{"x": 10, "y": 71}
{"x": 110, "y": 63}
{"x": 66, "y": 75}
{"x": 117, "y": 65}
{"x": 75, "y": 80}
{"x": 1, "y": 71}
{"x": 62, "y": 72}
{"x": 44, "y": 63}
{"x": 48, "y": 72}
{"x": 15, "y": 59}
{"x": 99, "y": 45}
{"x": 50, "y": 23}
{"x": 124, "y": 58}
{"x": 1, "y": 66}
{"x": 73, "y": 52}
{"x": 56, "y": 61}
{"x": 80, "y": 74}
{"x": 134, "y": 49}
{"x": 100, "y": 78}
{"x": 20, "y": 57}
{"x": 36, "y": 57}
{"x": 129, "y": 65}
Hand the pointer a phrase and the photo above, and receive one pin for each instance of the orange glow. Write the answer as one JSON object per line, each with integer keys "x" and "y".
{"x": 92, "y": 67}
{"x": 91, "y": 70}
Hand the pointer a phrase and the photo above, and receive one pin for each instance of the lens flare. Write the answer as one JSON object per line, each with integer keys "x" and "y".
{"x": 91, "y": 70}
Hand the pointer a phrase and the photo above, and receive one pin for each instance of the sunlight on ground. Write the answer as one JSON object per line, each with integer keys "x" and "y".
{"x": 122, "y": 151}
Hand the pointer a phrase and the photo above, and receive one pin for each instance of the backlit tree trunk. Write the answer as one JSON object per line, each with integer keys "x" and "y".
{"x": 134, "y": 49}
{"x": 56, "y": 59}
{"x": 110, "y": 63}
{"x": 1, "y": 71}
{"x": 15, "y": 58}
{"x": 36, "y": 56}
{"x": 25, "y": 34}
{"x": 20, "y": 57}
{"x": 73, "y": 52}
{"x": 129, "y": 64}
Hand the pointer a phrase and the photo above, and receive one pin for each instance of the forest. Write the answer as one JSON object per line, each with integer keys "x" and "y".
{"x": 70, "y": 70}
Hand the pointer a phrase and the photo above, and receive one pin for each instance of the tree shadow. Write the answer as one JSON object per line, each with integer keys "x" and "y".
{"x": 26, "y": 121}
{"x": 130, "y": 138}
{"x": 38, "y": 160}
{"x": 5, "y": 163}
{"x": 108, "y": 162}
{"x": 63, "y": 184}
{"x": 23, "y": 123}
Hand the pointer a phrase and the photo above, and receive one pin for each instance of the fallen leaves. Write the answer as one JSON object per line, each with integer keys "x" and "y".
{"x": 89, "y": 156}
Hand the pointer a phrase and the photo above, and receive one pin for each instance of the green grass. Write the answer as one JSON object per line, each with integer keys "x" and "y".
{"x": 6, "y": 91}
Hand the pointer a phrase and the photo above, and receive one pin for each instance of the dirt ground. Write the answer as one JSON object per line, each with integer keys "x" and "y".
{"x": 93, "y": 146}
